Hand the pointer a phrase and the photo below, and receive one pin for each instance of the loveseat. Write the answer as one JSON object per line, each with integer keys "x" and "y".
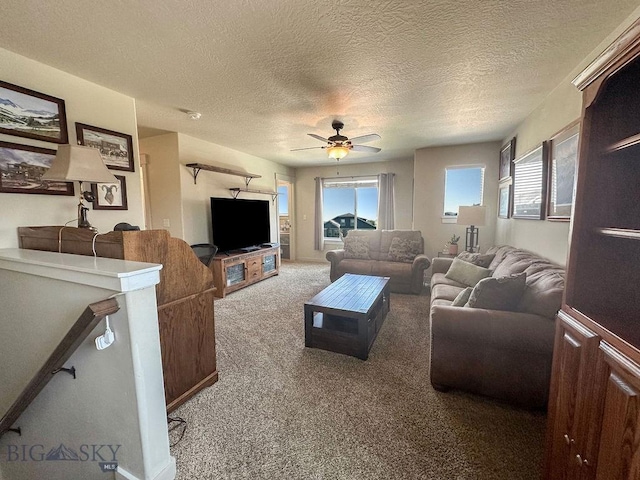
{"x": 505, "y": 354}
{"x": 397, "y": 254}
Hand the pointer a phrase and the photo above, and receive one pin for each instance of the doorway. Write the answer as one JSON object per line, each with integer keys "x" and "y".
{"x": 285, "y": 217}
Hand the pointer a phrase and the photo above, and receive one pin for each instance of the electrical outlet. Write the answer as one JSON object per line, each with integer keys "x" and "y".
{"x": 304, "y": 217}
{"x": 166, "y": 222}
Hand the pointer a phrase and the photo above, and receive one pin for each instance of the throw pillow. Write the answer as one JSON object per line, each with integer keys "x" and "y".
{"x": 462, "y": 298}
{"x": 477, "y": 258}
{"x": 466, "y": 273}
{"x": 356, "y": 247}
{"x": 403, "y": 250}
{"x": 502, "y": 293}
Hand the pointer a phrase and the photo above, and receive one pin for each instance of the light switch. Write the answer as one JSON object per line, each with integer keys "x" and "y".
{"x": 166, "y": 222}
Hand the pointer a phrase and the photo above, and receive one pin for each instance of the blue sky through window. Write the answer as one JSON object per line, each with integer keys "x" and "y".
{"x": 463, "y": 187}
{"x": 283, "y": 200}
{"x": 342, "y": 200}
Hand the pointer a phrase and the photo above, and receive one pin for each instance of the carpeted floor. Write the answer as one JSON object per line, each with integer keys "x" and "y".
{"x": 283, "y": 411}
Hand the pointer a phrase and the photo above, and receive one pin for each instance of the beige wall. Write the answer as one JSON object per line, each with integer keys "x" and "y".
{"x": 175, "y": 197}
{"x": 561, "y": 107}
{"x": 85, "y": 102}
{"x": 305, "y": 199}
{"x": 428, "y": 198}
{"x": 164, "y": 188}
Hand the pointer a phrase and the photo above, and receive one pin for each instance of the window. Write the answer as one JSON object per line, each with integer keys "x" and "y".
{"x": 349, "y": 204}
{"x": 462, "y": 186}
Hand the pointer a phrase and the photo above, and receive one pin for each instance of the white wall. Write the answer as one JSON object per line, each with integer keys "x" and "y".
{"x": 85, "y": 102}
{"x": 428, "y": 199}
{"x": 305, "y": 199}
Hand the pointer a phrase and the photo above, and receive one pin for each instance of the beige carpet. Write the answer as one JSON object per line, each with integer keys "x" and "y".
{"x": 283, "y": 411}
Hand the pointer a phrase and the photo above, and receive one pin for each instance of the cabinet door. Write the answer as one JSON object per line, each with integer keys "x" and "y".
{"x": 269, "y": 264}
{"x": 236, "y": 273}
{"x": 619, "y": 454}
{"x": 574, "y": 358}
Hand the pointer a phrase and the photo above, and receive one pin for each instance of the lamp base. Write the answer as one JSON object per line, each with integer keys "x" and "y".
{"x": 83, "y": 221}
{"x": 472, "y": 235}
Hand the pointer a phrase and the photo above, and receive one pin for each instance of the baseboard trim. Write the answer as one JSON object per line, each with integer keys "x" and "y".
{"x": 167, "y": 473}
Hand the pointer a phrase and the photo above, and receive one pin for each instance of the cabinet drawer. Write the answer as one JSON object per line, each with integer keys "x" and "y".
{"x": 254, "y": 270}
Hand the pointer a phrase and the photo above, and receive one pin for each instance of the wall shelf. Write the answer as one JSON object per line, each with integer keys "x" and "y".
{"x": 201, "y": 166}
{"x": 236, "y": 191}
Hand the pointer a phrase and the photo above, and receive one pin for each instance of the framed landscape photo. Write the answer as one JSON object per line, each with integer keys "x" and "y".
{"x": 116, "y": 149}
{"x": 111, "y": 195}
{"x": 563, "y": 159}
{"x": 507, "y": 154}
{"x": 21, "y": 169}
{"x": 530, "y": 184}
{"x": 504, "y": 200}
{"x": 30, "y": 114}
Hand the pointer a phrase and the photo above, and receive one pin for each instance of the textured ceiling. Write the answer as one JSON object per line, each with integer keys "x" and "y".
{"x": 264, "y": 73}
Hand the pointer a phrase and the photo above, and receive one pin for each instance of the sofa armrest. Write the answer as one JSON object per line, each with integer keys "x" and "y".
{"x": 440, "y": 265}
{"x": 500, "y": 329}
{"x": 421, "y": 262}
{"x": 335, "y": 256}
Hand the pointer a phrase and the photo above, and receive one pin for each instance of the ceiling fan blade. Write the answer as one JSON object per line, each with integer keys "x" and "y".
{"x": 305, "y": 148}
{"x": 365, "y": 148}
{"x": 365, "y": 138}
{"x": 317, "y": 137}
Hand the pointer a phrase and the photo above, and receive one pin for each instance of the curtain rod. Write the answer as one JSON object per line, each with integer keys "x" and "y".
{"x": 353, "y": 176}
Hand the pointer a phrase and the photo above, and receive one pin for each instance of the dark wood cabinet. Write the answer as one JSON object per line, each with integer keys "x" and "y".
{"x": 593, "y": 430}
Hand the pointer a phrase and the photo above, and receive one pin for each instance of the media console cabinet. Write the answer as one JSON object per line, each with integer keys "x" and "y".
{"x": 184, "y": 296}
{"x": 237, "y": 270}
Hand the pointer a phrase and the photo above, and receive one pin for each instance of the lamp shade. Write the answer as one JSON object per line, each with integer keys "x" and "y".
{"x": 474, "y": 215}
{"x": 337, "y": 152}
{"x": 77, "y": 162}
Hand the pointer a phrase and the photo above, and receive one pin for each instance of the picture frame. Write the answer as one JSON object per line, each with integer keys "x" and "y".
{"x": 563, "y": 161}
{"x": 110, "y": 195}
{"x": 116, "y": 149}
{"x": 505, "y": 199}
{"x": 21, "y": 169}
{"x": 530, "y": 184}
{"x": 507, "y": 155}
{"x": 30, "y": 114}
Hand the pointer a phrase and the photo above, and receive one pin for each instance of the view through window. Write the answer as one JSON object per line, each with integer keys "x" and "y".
{"x": 463, "y": 186}
{"x": 349, "y": 204}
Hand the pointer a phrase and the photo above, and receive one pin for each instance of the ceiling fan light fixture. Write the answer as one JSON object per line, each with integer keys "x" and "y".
{"x": 338, "y": 152}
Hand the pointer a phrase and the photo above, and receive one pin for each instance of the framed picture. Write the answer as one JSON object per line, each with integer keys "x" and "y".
{"x": 563, "y": 159}
{"x": 21, "y": 167}
{"x": 504, "y": 200}
{"x": 507, "y": 154}
{"x": 115, "y": 148}
{"x": 110, "y": 196}
{"x": 530, "y": 184}
{"x": 30, "y": 114}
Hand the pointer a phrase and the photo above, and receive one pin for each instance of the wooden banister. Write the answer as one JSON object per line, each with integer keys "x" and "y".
{"x": 92, "y": 315}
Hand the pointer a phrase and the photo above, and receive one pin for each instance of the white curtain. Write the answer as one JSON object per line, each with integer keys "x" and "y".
{"x": 386, "y": 217}
{"x": 318, "y": 232}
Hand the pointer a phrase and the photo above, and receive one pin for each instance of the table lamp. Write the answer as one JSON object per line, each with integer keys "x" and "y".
{"x": 472, "y": 216}
{"x": 82, "y": 164}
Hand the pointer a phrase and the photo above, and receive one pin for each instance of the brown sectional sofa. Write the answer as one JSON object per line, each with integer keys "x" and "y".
{"x": 406, "y": 276}
{"x": 502, "y": 354}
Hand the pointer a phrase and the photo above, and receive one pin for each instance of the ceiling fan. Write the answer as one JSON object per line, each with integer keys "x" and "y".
{"x": 338, "y": 146}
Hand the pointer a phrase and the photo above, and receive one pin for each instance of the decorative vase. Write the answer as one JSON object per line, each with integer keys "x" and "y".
{"x": 453, "y": 249}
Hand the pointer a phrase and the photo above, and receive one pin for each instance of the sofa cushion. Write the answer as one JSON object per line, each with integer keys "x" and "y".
{"x": 462, "y": 298}
{"x": 386, "y": 238}
{"x": 466, "y": 273}
{"x": 351, "y": 265}
{"x": 476, "y": 258}
{"x": 502, "y": 293}
{"x": 356, "y": 247}
{"x": 543, "y": 292}
{"x": 445, "y": 292}
{"x": 404, "y": 250}
{"x": 440, "y": 279}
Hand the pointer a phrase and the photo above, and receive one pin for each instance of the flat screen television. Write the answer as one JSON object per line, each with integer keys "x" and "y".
{"x": 239, "y": 223}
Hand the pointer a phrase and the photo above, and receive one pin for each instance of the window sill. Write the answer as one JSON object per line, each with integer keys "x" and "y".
{"x": 449, "y": 219}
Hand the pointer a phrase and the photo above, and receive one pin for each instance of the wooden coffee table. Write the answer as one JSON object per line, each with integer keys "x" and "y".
{"x": 346, "y": 316}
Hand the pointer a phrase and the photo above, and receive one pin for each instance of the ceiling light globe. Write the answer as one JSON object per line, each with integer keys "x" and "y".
{"x": 337, "y": 152}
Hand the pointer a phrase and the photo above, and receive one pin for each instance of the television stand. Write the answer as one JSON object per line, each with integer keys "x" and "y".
{"x": 235, "y": 270}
